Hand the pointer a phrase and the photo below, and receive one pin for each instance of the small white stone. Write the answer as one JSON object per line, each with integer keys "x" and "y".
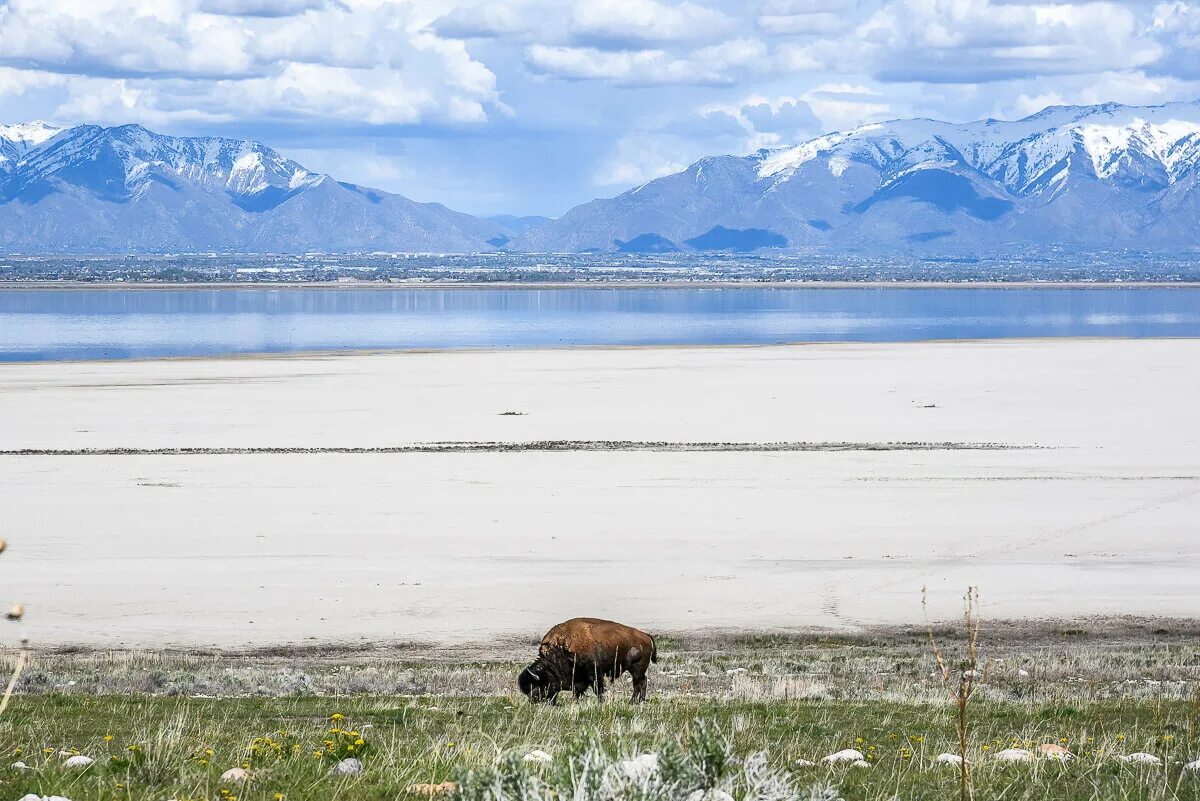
{"x": 20, "y": 766}
{"x": 78, "y": 761}
{"x": 36, "y": 797}
{"x": 947, "y": 759}
{"x": 348, "y": 767}
{"x": 804, "y": 763}
{"x": 539, "y": 756}
{"x": 861, "y": 763}
{"x": 640, "y": 768}
{"x": 1014, "y": 755}
{"x": 1192, "y": 765}
{"x": 736, "y": 670}
{"x": 710, "y": 795}
{"x": 235, "y": 775}
{"x": 1023, "y": 673}
{"x": 1141, "y": 758}
{"x": 848, "y": 755}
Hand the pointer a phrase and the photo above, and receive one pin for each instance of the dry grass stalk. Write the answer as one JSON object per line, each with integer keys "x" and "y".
{"x": 963, "y": 682}
{"x": 16, "y": 614}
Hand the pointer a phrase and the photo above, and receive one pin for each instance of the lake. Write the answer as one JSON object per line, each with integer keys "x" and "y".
{"x": 91, "y": 324}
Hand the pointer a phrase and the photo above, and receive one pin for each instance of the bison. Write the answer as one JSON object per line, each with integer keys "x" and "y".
{"x": 582, "y": 653}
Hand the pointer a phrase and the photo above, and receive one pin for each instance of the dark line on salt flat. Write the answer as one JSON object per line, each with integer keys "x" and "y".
{"x": 545, "y": 446}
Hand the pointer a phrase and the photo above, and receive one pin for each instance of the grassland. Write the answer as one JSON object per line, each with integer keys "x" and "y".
{"x": 167, "y": 725}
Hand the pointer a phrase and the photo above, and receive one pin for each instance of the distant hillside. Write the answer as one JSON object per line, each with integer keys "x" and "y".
{"x": 1086, "y": 177}
{"x": 127, "y": 189}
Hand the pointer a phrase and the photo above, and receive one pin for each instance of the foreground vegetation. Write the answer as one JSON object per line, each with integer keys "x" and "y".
{"x": 165, "y": 748}
{"x": 727, "y": 715}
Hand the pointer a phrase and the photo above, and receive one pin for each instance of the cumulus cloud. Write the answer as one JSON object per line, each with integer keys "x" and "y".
{"x": 806, "y": 17}
{"x": 642, "y": 157}
{"x": 626, "y": 22}
{"x": 714, "y": 65}
{"x": 1177, "y": 27}
{"x": 488, "y": 21}
{"x": 261, "y": 8}
{"x": 971, "y": 41}
{"x": 217, "y": 59}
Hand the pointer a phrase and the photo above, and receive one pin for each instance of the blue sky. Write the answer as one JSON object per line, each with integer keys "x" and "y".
{"x": 532, "y": 106}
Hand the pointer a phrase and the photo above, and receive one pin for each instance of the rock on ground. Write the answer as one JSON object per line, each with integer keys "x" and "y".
{"x": 848, "y": 755}
{"x": 1014, "y": 755}
{"x": 78, "y": 761}
{"x": 348, "y": 767}
{"x": 1141, "y": 758}
{"x": 947, "y": 759}
{"x": 640, "y": 768}
{"x": 710, "y": 795}
{"x": 539, "y": 756}
{"x": 235, "y": 775}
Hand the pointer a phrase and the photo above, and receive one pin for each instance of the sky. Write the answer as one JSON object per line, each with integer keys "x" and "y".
{"x": 532, "y": 106}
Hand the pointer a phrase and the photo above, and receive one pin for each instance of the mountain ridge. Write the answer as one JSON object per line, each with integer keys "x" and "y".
{"x": 125, "y": 188}
{"x": 1096, "y": 176}
{"x": 1084, "y": 178}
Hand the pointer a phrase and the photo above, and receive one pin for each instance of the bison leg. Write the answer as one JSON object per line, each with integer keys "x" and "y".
{"x": 599, "y": 686}
{"x": 639, "y": 687}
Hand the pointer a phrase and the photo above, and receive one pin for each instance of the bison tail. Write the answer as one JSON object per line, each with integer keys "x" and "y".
{"x": 653, "y": 650}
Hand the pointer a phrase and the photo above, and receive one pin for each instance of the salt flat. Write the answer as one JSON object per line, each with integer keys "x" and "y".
{"x": 1094, "y": 512}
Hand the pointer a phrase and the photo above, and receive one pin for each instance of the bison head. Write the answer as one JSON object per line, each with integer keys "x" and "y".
{"x": 535, "y": 681}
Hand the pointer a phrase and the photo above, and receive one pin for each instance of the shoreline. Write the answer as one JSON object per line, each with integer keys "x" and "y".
{"x": 1095, "y": 631}
{"x": 332, "y": 353}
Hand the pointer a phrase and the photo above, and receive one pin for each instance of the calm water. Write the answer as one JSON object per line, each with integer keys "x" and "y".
{"x": 113, "y": 324}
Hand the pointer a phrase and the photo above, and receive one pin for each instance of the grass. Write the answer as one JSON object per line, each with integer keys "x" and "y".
{"x": 429, "y": 715}
{"x": 164, "y": 748}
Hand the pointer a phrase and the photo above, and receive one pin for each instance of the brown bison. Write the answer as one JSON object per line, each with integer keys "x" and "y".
{"x": 582, "y": 653}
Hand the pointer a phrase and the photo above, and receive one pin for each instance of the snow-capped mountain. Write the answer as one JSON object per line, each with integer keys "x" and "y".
{"x": 1106, "y": 176}
{"x": 126, "y": 188}
{"x": 17, "y": 140}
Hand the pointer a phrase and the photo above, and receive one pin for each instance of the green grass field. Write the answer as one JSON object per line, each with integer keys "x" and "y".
{"x": 734, "y": 715}
{"x": 164, "y": 748}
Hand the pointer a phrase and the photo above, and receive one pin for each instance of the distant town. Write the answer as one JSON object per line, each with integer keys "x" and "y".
{"x": 502, "y": 267}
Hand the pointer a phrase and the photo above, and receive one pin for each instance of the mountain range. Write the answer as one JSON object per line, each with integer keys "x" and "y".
{"x": 1074, "y": 177}
{"x": 1085, "y": 177}
{"x": 127, "y": 189}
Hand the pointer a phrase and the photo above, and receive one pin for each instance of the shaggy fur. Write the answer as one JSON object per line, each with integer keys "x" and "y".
{"x": 583, "y": 652}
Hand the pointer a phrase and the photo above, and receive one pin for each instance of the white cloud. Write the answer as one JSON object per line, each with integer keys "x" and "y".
{"x": 261, "y": 8}
{"x": 646, "y": 21}
{"x": 486, "y": 21}
{"x": 971, "y": 41}
{"x": 1133, "y": 88}
{"x": 717, "y": 64}
{"x": 842, "y": 105}
{"x": 765, "y": 122}
{"x": 640, "y": 158}
{"x": 171, "y": 59}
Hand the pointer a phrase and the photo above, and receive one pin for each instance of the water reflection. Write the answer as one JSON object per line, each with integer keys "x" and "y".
{"x": 111, "y": 323}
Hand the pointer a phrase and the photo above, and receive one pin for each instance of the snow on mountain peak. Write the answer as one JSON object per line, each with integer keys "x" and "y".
{"x": 1173, "y": 143}
{"x": 19, "y": 138}
{"x": 31, "y": 134}
{"x": 1025, "y": 155}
